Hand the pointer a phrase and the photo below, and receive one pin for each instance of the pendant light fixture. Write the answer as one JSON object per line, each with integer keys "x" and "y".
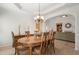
{"x": 39, "y": 17}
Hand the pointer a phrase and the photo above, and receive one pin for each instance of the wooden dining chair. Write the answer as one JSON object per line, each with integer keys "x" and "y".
{"x": 46, "y": 42}
{"x": 41, "y": 49}
{"x": 27, "y": 34}
{"x": 51, "y": 40}
{"x": 17, "y": 45}
{"x": 19, "y": 48}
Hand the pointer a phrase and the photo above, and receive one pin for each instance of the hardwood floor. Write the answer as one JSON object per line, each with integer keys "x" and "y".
{"x": 7, "y": 51}
{"x": 65, "y": 48}
{"x": 61, "y": 48}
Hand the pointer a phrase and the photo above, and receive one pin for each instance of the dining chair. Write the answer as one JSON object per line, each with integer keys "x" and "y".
{"x": 51, "y": 40}
{"x": 46, "y": 42}
{"x": 17, "y": 45}
{"x": 19, "y": 48}
{"x": 40, "y": 49}
{"x": 27, "y": 34}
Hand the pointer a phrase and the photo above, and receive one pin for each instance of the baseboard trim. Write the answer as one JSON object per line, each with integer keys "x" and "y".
{"x": 66, "y": 40}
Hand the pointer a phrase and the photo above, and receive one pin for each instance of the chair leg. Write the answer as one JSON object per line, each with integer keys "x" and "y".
{"x": 46, "y": 49}
{"x": 53, "y": 48}
{"x": 17, "y": 52}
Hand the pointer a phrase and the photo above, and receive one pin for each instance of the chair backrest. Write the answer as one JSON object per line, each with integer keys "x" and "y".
{"x": 42, "y": 40}
{"x": 27, "y": 34}
{"x": 13, "y": 44}
{"x": 52, "y": 35}
{"x": 15, "y": 39}
{"x": 42, "y": 36}
{"x": 12, "y": 35}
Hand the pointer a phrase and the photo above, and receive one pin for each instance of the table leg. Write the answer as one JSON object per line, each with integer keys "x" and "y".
{"x": 30, "y": 50}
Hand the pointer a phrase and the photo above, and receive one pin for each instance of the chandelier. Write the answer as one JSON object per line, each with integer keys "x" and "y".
{"x": 39, "y": 17}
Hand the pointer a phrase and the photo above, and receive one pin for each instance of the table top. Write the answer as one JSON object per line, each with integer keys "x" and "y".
{"x": 30, "y": 40}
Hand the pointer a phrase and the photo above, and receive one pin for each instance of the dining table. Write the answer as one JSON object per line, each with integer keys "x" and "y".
{"x": 30, "y": 42}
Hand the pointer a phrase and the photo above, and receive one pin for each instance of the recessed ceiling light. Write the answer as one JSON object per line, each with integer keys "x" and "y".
{"x": 64, "y": 15}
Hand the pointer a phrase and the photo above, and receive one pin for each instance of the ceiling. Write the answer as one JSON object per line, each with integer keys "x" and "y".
{"x": 32, "y": 9}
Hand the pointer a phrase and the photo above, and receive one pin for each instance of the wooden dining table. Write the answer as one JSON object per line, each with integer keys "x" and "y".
{"x": 30, "y": 42}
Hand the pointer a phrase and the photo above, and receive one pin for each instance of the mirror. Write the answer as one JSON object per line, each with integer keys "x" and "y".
{"x": 67, "y": 25}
